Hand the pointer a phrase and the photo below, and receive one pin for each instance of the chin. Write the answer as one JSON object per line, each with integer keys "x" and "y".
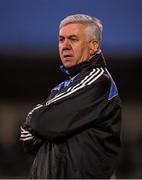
{"x": 68, "y": 64}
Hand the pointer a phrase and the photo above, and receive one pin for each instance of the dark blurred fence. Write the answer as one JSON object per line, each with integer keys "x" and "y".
{"x": 26, "y": 80}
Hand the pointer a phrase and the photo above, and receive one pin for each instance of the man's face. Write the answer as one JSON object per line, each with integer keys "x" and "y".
{"x": 73, "y": 44}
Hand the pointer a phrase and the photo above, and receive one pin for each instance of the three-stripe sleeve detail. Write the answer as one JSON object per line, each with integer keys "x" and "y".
{"x": 88, "y": 80}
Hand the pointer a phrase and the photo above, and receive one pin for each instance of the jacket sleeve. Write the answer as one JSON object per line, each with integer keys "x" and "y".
{"x": 88, "y": 107}
{"x": 30, "y": 142}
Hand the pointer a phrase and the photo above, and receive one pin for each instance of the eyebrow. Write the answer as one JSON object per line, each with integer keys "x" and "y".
{"x": 70, "y": 36}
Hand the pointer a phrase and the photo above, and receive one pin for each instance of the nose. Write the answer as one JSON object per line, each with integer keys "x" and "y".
{"x": 66, "y": 44}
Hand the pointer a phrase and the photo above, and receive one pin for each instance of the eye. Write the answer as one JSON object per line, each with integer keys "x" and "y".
{"x": 73, "y": 38}
{"x": 61, "y": 39}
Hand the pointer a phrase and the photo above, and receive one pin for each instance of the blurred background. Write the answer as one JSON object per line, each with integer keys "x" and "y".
{"x": 29, "y": 69}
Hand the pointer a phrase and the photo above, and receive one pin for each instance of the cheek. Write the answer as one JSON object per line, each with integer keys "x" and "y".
{"x": 79, "y": 51}
{"x": 60, "y": 50}
{"x": 59, "y": 47}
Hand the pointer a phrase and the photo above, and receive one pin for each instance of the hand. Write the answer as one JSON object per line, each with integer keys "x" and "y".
{"x": 25, "y": 135}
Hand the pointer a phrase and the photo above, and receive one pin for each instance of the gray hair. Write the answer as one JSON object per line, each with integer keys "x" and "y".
{"x": 94, "y": 26}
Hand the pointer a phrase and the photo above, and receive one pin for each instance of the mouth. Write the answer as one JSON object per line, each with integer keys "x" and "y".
{"x": 66, "y": 56}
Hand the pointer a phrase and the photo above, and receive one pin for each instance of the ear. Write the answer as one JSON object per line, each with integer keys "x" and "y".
{"x": 93, "y": 46}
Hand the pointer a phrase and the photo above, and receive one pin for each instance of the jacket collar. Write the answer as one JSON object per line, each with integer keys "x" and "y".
{"x": 96, "y": 61}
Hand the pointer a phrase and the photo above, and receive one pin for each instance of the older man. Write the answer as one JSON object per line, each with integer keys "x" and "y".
{"x": 75, "y": 133}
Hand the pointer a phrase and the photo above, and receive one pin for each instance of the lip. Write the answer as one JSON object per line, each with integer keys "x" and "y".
{"x": 67, "y": 55}
{"x": 67, "y": 58}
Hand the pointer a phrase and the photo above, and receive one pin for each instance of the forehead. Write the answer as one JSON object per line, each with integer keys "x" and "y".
{"x": 72, "y": 29}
